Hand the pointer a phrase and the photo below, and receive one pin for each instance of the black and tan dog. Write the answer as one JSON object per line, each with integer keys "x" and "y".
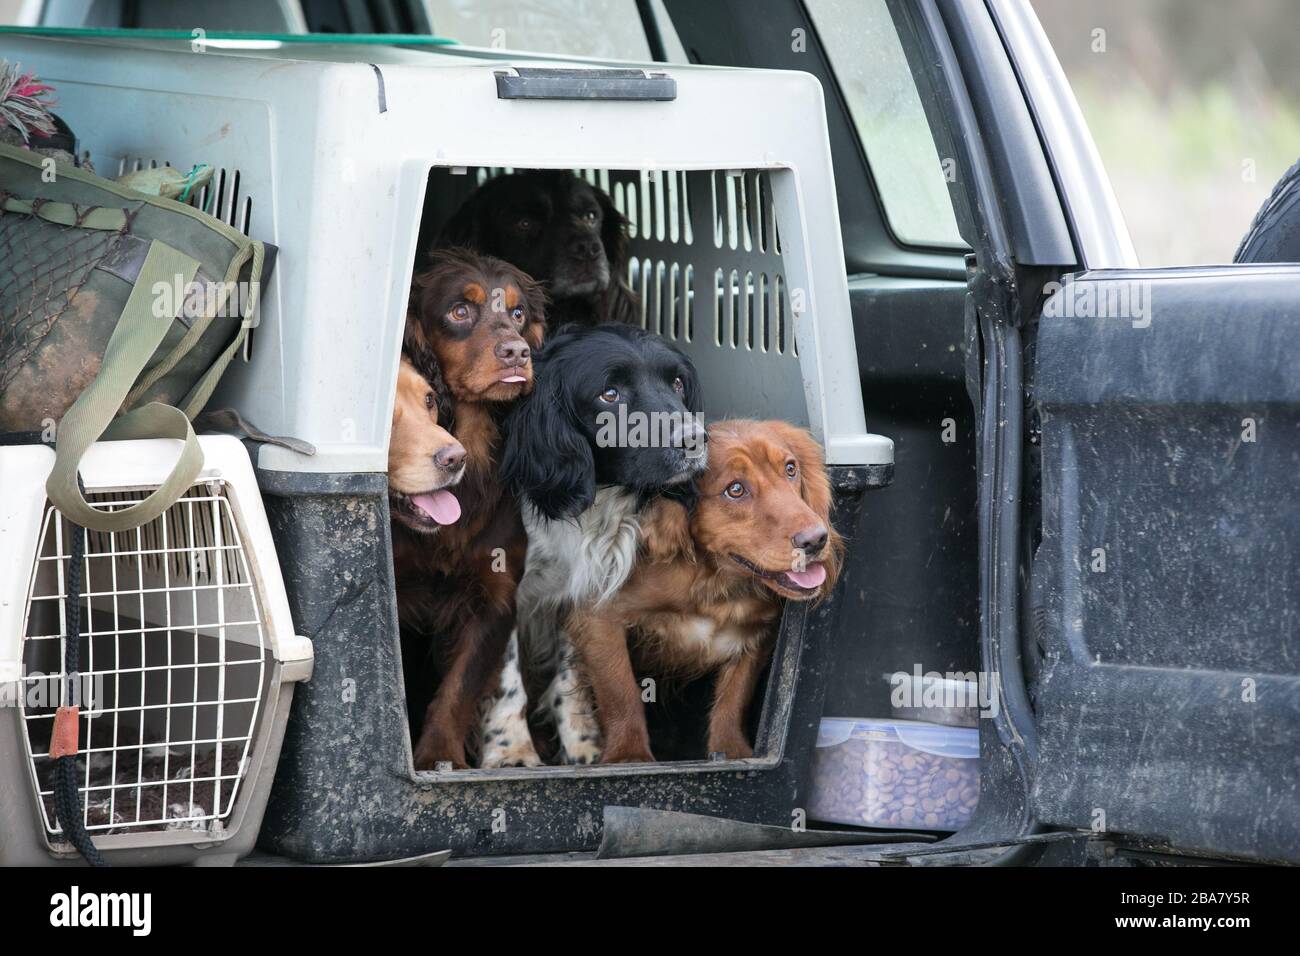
{"x": 479, "y": 319}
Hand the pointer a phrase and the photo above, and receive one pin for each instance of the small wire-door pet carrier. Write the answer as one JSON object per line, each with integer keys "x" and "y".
{"x": 187, "y": 658}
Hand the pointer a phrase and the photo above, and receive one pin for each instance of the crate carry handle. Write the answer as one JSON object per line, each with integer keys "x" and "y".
{"x": 550, "y": 83}
{"x": 136, "y": 336}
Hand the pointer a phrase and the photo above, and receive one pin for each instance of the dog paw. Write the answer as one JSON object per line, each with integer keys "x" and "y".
{"x": 580, "y": 749}
{"x": 434, "y": 757}
{"x": 629, "y": 754}
{"x": 438, "y": 766}
{"x": 735, "y": 748}
{"x": 510, "y": 753}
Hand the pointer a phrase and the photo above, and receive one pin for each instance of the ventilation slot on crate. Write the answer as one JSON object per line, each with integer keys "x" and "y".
{"x": 174, "y": 659}
{"x": 221, "y": 198}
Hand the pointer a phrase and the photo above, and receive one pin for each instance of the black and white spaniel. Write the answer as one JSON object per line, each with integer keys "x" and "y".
{"x": 613, "y": 423}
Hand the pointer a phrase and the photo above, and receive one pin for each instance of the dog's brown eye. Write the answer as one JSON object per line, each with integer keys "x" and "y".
{"x": 517, "y": 313}
{"x": 790, "y": 469}
{"x": 523, "y": 225}
{"x": 428, "y": 400}
{"x": 679, "y": 385}
{"x": 460, "y": 313}
{"x": 591, "y": 218}
{"x": 735, "y": 490}
{"x": 609, "y": 395}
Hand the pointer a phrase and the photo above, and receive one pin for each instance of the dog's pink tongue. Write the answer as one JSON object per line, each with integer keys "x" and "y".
{"x": 441, "y": 506}
{"x": 811, "y": 578}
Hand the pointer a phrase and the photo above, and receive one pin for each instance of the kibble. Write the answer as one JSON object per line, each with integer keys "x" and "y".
{"x": 885, "y": 783}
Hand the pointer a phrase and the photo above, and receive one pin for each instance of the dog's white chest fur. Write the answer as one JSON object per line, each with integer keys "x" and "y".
{"x": 695, "y": 642}
{"x": 577, "y": 561}
{"x": 584, "y": 559}
{"x": 713, "y": 643}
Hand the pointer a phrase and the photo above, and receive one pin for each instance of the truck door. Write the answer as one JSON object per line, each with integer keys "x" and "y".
{"x": 1154, "y": 596}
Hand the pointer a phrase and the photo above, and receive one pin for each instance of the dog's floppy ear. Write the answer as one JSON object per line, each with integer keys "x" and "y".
{"x": 424, "y": 361}
{"x": 546, "y": 458}
{"x": 815, "y": 489}
{"x": 613, "y": 235}
{"x": 415, "y": 337}
{"x": 693, "y": 395}
{"x": 621, "y": 305}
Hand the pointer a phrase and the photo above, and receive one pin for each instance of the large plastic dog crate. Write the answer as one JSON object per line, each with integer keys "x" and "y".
{"x": 187, "y": 659}
{"x": 329, "y": 153}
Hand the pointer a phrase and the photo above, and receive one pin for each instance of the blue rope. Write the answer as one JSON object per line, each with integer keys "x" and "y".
{"x": 189, "y": 181}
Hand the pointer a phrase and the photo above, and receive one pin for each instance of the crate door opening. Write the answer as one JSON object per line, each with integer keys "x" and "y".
{"x": 704, "y": 261}
{"x": 174, "y": 660}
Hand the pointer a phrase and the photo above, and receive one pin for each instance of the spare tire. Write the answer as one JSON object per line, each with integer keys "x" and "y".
{"x": 1274, "y": 235}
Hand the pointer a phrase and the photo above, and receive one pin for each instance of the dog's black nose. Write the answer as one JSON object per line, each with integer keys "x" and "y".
{"x": 811, "y": 540}
{"x": 587, "y": 248}
{"x": 688, "y": 434}
{"x": 513, "y": 353}
{"x": 450, "y": 458}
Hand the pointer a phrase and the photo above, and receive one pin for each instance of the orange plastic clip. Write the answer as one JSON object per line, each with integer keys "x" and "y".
{"x": 63, "y": 740}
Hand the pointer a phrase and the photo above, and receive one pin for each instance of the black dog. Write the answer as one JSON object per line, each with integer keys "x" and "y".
{"x": 612, "y": 425}
{"x": 561, "y": 231}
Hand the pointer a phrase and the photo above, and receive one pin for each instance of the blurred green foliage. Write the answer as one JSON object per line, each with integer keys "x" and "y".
{"x": 1195, "y": 107}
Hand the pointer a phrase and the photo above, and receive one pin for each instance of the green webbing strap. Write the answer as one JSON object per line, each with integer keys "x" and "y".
{"x": 187, "y": 342}
{"x": 256, "y": 253}
{"x": 135, "y": 339}
{"x": 103, "y": 218}
{"x": 201, "y": 392}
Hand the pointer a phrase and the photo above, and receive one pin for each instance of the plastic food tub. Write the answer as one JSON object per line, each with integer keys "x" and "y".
{"x": 895, "y": 774}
